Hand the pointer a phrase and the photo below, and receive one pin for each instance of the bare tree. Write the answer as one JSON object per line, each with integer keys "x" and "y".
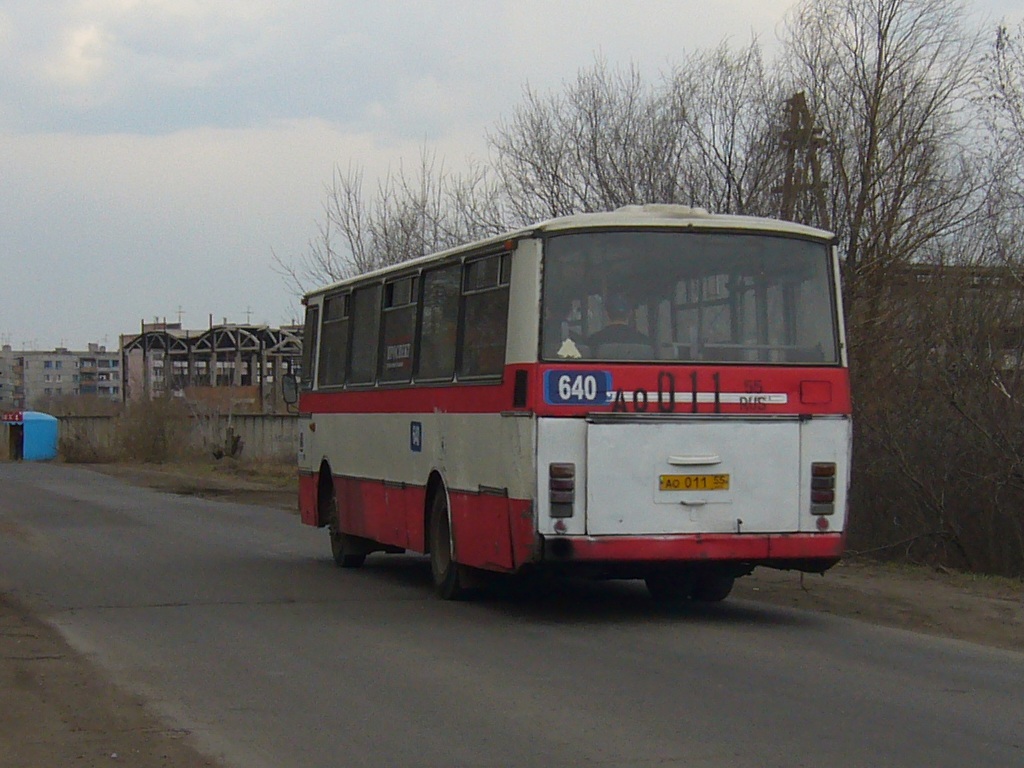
{"x": 410, "y": 214}
{"x": 1006, "y": 83}
{"x": 706, "y": 134}
{"x": 592, "y": 147}
{"x": 1002, "y": 100}
{"x": 729, "y": 109}
{"x": 888, "y": 81}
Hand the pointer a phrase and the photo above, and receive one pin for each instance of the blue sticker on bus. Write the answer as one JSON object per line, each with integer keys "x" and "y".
{"x": 416, "y": 436}
{"x": 578, "y": 387}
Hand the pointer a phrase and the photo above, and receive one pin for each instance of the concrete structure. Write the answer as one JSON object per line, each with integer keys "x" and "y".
{"x": 268, "y": 437}
{"x": 226, "y": 368}
{"x": 30, "y": 378}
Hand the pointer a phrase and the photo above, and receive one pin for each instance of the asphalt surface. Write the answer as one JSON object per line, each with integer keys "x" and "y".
{"x": 234, "y": 624}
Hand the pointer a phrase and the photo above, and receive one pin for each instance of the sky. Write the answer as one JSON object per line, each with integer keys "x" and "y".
{"x": 156, "y": 155}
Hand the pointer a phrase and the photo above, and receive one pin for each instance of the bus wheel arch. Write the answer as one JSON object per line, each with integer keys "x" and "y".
{"x": 326, "y": 499}
{"x": 435, "y": 484}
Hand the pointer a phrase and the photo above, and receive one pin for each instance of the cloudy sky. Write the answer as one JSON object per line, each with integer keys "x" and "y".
{"x": 156, "y": 154}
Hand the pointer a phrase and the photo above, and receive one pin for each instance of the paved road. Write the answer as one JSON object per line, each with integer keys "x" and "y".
{"x": 234, "y": 623}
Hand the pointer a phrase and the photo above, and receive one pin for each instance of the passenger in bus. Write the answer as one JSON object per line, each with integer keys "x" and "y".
{"x": 618, "y": 339}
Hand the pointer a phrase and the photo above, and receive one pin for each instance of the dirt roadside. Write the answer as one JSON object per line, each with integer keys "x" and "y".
{"x": 58, "y": 709}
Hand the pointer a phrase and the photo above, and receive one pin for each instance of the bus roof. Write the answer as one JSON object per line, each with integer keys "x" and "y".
{"x": 652, "y": 215}
{"x": 675, "y": 216}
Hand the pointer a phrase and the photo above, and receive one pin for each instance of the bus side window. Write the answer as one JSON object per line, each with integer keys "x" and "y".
{"x": 365, "y": 337}
{"x": 436, "y": 354}
{"x": 485, "y": 318}
{"x": 400, "y": 303}
{"x": 334, "y": 341}
{"x": 309, "y": 343}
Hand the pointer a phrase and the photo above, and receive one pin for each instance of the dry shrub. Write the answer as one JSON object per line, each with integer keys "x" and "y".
{"x": 939, "y": 447}
{"x": 78, "y": 448}
{"x": 154, "y": 431}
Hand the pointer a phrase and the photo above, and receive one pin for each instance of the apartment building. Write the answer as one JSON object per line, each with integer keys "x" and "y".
{"x": 31, "y": 378}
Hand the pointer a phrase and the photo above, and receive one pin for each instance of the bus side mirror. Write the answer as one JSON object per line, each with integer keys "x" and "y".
{"x": 290, "y": 389}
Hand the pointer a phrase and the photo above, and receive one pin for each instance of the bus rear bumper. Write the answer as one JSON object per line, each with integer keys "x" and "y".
{"x": 800, "y": 551}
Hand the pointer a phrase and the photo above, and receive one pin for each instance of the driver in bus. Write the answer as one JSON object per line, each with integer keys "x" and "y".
{"x": 617, "y": 331}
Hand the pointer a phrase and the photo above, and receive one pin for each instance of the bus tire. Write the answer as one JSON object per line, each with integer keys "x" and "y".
{"x": 712, "y": 587}
{"x": 345, "y": 554}
{"x": 445, "y": 572}
{"x": 670, "y": 588}
{"x": 343, "y": 547}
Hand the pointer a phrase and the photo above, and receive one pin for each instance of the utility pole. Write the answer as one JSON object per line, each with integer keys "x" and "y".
{"x": 803, "y": 192}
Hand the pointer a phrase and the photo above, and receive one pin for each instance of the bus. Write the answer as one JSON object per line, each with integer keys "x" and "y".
{"x": 653, "y": 393}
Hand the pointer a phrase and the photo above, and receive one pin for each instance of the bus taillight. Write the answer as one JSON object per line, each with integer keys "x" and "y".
{"x": 823, "y": 488}
{"x": 562, "y": 488}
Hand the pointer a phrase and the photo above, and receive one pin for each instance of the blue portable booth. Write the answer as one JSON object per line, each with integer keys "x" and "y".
{"x": 33, "y": 435}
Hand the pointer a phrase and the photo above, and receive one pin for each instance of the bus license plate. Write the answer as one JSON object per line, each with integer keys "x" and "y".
{"x": 693, "y": 482}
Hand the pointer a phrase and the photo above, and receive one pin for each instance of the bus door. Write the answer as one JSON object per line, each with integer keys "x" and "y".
{"x": 692, "y": 474}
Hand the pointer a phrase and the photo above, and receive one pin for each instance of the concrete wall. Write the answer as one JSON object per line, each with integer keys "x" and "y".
{"x": 263, "y": 437}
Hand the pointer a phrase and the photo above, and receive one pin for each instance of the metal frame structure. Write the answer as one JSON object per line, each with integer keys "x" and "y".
{"x": 221, "y": 356}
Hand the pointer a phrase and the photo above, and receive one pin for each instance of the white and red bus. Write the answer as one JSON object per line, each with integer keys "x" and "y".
{"x": 654, "y": 392}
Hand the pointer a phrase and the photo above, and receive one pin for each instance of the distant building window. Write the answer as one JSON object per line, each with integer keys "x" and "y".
{"x": 46, "y": 377}
{"x": 114, "y": 363}
{"x": 47, "y": 363}
{"x": 48, "y": 391}
{"x": 58, "y": 364}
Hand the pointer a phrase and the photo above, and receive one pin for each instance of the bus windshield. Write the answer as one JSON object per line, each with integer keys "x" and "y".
{"x": 698, "y": 297}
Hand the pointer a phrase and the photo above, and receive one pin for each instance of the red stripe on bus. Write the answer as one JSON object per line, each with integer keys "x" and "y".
{"x": 643, "y": 388}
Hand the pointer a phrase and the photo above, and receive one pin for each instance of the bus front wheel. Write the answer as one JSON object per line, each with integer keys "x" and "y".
{"x": 344, "y": 549}
{"x": 446, "y": 573}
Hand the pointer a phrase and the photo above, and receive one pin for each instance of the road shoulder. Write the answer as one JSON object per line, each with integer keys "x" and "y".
{"x": 59, "y": 709}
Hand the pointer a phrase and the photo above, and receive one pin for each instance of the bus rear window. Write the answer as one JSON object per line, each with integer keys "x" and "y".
{"x": 688, "y": 297}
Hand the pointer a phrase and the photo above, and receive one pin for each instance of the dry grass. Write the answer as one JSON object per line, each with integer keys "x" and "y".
{"x": 276, "y": 474}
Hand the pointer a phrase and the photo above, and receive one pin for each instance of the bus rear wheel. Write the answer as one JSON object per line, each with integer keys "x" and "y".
{"x": 712, "y": 587}
{"x": 670, "y": 587}
{"x": 444, "y": 571}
